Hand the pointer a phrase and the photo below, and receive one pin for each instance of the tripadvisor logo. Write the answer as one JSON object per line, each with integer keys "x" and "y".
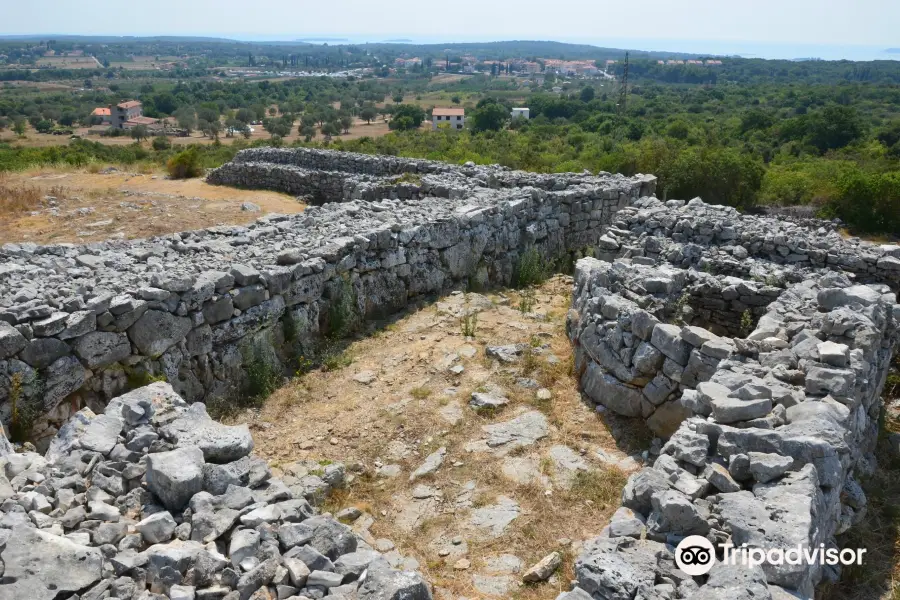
{"x": 695, "y": 555}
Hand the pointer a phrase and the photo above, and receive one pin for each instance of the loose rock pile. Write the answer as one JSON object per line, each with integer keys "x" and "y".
{"x": 155, "y": 500}
{"x": 770, "y": 429}
{"x": 83, "y": 323}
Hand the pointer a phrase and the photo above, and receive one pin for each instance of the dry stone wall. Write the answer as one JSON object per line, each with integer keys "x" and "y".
{"x": 79, "y": 324}
{"x": 768, "y": 431}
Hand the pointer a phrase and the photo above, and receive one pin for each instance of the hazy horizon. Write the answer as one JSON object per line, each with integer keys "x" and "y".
{"x": 697, "y": 26}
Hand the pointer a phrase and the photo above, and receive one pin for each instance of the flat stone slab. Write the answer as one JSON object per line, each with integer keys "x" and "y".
{"x": 41, "y": 566}
{"x": 219, "y": 443}
{"x": 494, "y": 519}
{"x": 523, "y": 430}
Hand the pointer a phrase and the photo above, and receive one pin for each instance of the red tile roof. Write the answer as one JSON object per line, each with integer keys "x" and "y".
{"x": 101, "y": 112}
{"x": 449, "y": 112}
{"x": 129, "y": 104}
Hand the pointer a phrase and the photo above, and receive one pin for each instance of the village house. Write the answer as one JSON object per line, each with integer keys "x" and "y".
{"x": 124, "y": 112}
{"x": 517, "y": 113}
{"x": 104, "y": 113}
{"x": 452, "y": 118}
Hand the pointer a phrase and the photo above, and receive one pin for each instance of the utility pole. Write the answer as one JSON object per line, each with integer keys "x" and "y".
{"x": 623, "y": 90}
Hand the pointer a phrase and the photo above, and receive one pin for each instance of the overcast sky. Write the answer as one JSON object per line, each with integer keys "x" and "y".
{"x": 831, "y": 22}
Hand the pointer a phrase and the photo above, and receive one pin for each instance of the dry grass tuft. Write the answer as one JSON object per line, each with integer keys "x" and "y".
{"x": 17, "y": 198}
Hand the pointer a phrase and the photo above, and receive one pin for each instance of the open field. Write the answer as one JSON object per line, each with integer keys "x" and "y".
{"x": 392, "y": 399}
{"x": 34, "y": 139}
{"x": 51, "y": 206}
{"x": 69, "y": 62}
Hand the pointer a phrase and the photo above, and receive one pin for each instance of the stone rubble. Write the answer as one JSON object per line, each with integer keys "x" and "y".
{"x": 154, "y": 500}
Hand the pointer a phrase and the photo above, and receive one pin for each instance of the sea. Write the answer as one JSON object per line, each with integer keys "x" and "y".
{"x": 745, "y": 49}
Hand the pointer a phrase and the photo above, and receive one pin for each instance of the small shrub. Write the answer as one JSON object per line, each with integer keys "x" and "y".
{"x": 343, "y": 313}
{"x": 532, "y": 268}
{"x": 468, "y": 323}
{"x": 746, "y": 323}
{"x": 264, "y": 374}
{"x": 138, "y": 378}
{"x": 527, "y": 300}
{"x": 409, "y": 178}
{"x": 184, "y": 165}
{"x": 161, "y": 143}
{"x": 23, "y": 413}
{"x": 680, "y": 308}
{"x": 420, "y": 393}
{"x": 336, "y": 360}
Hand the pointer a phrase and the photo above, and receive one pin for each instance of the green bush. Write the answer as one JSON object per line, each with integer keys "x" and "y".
{"x": 161, "y": 143}
{"x": 532, "y": 269}
{"x": 185, "y": 164}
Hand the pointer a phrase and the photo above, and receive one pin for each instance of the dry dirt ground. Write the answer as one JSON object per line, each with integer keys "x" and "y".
{"x": 506, "y": 486}
{"x": 66, "y": 206}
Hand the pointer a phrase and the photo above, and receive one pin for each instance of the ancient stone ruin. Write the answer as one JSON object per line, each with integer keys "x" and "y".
{"x": 755, "y": 350}
{"x": 759, "y": 350}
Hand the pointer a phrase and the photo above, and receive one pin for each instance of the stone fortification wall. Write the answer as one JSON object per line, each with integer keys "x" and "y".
{"x": 768, "y": 432}
{"x": 722, "y": 240}
{"x": 81, "y": 323}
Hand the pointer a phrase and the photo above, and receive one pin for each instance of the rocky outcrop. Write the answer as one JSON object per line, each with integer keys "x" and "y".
{"x": 81, "y": 324}
{"x": 125, "y": 505}
{"x": 768, "y": 430}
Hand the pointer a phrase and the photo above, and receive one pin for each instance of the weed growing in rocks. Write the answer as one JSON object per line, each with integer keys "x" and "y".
{"x": 680, "y": 308}
{"x": 23, "y": 413}
{"x": 141, "y": 377}
{"x": 468, "y": 321}
{"x": 343, "y": 313}
{"x": 527, "y": 300}
{"x": 746, "y": 323}
{"x": 264, "y": 373}
{"x": 532, "y": 269}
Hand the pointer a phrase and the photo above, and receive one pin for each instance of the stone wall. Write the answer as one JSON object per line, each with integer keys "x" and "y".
{"x": 81, "y": 323}
{"x": 770, "y": 430}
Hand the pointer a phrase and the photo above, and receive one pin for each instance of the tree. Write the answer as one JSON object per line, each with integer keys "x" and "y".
{"x": 834, "y": 127}
{"x": 277, "y": 127}
{"x": 455, "y": 99}
{"x": 186, "y": 118}
{"x": 346, "y": 122}
{"x": 489, "y": 115}
{"x": 331, "y": 128}
{"x": 587, "y": 94}
{"x": 368, "y": 113}
{"x": 245, "y": 115}
{"x": 398, "y": 97}
{"x": 407, "y": 117}
{"x": 43, "y": 126}
{"x": 308, "y": 131}
{"x": 139, "y": 133}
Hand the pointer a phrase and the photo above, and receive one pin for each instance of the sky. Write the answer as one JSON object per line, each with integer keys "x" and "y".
{"x": 682, "y": 24}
